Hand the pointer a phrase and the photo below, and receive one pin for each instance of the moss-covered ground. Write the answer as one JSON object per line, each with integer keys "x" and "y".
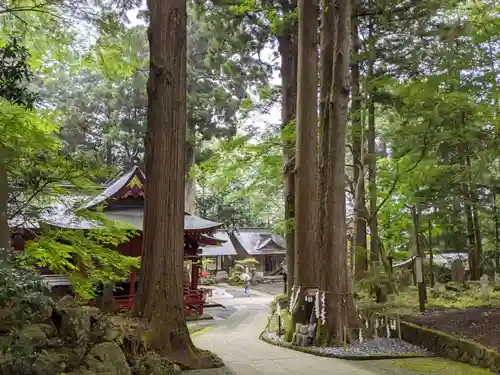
{"x": 421, "y": 366}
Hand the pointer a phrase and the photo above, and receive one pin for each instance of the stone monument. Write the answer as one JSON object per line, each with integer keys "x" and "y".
{"x": 457, "y": 271}
{"x": 485, "y": 287}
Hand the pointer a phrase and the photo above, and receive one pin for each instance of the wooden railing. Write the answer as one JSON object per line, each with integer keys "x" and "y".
{"x": 194, "y": 301}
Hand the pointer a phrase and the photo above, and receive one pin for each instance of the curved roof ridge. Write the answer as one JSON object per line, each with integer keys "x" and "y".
{"x": 114, "y": 187}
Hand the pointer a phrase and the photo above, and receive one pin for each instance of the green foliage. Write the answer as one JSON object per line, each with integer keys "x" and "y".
{"x": 448, "y": 296}
{"x": 398, "y": 256}
{"x": 282, "y": 300}
{"x": 24, "y": 132}
{"x": 36, "y": 169}
{"x": 87, "y": 257}
{"x": 23, "y": 293}
{"x": 226, "y": 206}
{"x": 247, "y": 170}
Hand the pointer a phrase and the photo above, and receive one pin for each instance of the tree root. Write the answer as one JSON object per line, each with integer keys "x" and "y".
{"x": 172, "y": 344}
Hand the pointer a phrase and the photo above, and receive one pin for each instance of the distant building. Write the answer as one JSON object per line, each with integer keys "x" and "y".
{"x": 259, "y": 243}
{"x": 223, "y": 255}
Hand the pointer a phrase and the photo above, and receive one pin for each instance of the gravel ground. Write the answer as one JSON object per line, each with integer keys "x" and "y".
{"x": 381, "y": 346}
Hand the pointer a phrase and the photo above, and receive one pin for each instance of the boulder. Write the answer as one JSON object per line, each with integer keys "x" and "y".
{"x": 73, "y": 356}
{"x": 103, "y": 330}
{"x": 50, "y": 330}
{"x": 50, "y": 363}
{"x": 107, "y": 357}
{"x": 32, "y": 335}
{"x": 65, "y": 302}
{"x": 44, "y": 313}
{"x": 74, "y": 325}
{"x": 453, "y": 353}
{"x": 464, "y": 358}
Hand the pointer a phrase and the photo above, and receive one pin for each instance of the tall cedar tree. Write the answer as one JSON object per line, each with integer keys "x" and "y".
{"x": 359, "y": 242}
{"x": 160, "y": 296}
{"x": 332, "y": 244}
{"x": 306, "y": 154}
{"x": 288, "y": 53}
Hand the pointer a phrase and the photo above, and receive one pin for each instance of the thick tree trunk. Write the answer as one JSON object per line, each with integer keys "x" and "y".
{"x": 329, "y": 24}
{"x": 4, "y": 198}
{"x": 340, "y": 312}
{"x": 190, "y": 190}
{"x": 306, "y": 153}
{"x": 359, "y": 242}
{"x": 372, "y": 163}
{"x": 160, "y": 296}
{"x": 470, "y": 213}
{"x": 475, "y": 219}
{"x": 471, "y": 235}
{"x": 288, "y": 52}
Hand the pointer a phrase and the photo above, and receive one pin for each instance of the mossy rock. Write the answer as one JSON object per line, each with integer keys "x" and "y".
{"x": 32, "y": 335}
{"x": 107, "y": 357}
{"x": 50, "y": 363}
{"x": 50, "y": 330}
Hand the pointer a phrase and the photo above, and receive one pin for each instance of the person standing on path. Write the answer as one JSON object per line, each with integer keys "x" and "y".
{"x": 246, "y": 280}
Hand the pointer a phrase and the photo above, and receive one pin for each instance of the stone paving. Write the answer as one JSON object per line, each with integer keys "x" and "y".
{"x": 236, "y": 341}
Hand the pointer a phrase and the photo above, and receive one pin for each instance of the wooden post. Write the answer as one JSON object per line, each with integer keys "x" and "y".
{"x": 285, "y": 291}
{"x": 398, "y": 325}
{"x": 431, "y": 257}
{"x": 194, "y": 276}
{"x": 133, "y": 277}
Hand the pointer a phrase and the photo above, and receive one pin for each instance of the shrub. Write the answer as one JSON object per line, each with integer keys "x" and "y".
{"x": 282, "y": 300}
{"x": 23, "y": 293}
{"x": 24, "y": 297}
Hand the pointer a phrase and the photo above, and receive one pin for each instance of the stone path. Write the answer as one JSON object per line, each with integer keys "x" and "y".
{"x": 236, "y": 341}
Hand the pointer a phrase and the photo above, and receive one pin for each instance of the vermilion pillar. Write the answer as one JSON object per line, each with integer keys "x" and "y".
{"x": 194, "y": 276}
{"x": 132, "y": 279}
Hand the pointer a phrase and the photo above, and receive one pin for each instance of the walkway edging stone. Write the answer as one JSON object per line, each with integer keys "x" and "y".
{"x": 450, "y": 346}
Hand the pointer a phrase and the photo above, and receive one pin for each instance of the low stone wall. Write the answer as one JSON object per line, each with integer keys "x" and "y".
{"x": 450, "y": 346}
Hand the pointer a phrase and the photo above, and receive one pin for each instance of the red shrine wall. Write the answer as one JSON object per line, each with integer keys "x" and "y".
{"x": 133, "y": 248}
